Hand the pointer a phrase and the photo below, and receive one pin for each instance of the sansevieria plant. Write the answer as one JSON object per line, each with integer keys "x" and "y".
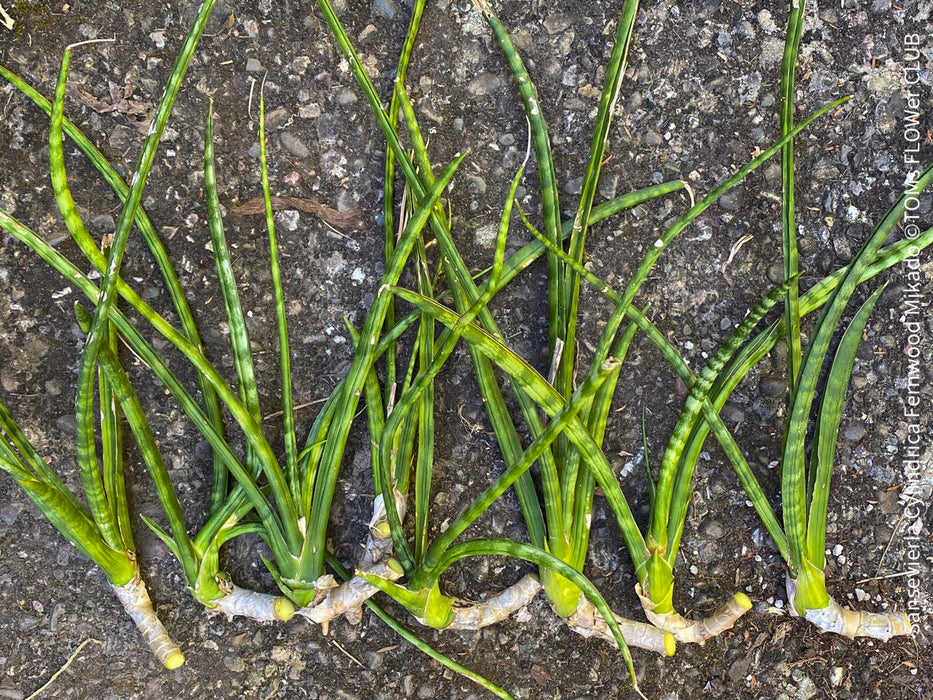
{"x": 100, "y": 526}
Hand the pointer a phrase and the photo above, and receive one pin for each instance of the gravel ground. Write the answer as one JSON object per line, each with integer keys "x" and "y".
{"x": 700, "y": 98}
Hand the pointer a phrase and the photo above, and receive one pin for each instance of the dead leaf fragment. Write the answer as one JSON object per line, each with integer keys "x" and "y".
{"x": 541, "y": 675}
{"x": 139, "y": 111}
{"x": 350, "y": 219}
{"x": 780, "y": 633}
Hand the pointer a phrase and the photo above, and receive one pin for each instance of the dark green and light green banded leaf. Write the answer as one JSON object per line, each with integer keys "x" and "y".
{"x": 466, "y": 296}
{"x": 116, "y": 564}
{"x": 313, "y": 552}
{"x": 445, "y": 347}
{"x": 546, "y": 176}
{"x": 599, "y": 414}
{"x": 527, "y": 254}
{"x": 793, "y": 478}
{"x": 788, "y": 220}
{"x": 278, "y": 530}
{"x": 543, "y": 394}
{"x": 823, "y": 452}
{"x": 652, "y": 487}
{"x": 123, "y": 393}
{"x": 285, "y": 363}
{"x": 425, "y": 415}
{"x": 309, "y": 458}
{"x": 404, "y": 444}
{"x": 111, "y": 437}
{"x": 375, "y": 413}
{"x": 744, "y": 473}
{"x": 11, "y": 463}
{"x": 691, "y": 413}
{"x": 388, "y": 191}
{"x": 752, "y": 353}
{"x": 578, "y": 487}
{"x": 482, "y": 502}
{"x": 615, "y": 72}
{"x": 86, "y": 438}
{"x": 597, "y": 418}
{"x": 236, "y": 319}
{"x": 110, "y": 276}
{"x": 618, "y": 314}
{"x": 179, "y": 301}
{"x": 465, "y": 293}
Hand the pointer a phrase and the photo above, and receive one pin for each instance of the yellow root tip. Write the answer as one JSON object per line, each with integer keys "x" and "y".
{"x": 395, "y": 565}
{"x": 174, "y": 660}
{"x": 283, "y": 608}
{"x": 382, "y": 529}
{"x": 670, "y": 644}
{"x": 743, "y": 601}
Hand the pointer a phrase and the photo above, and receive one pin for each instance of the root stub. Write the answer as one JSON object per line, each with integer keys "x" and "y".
{"x": 588, "y": 622}
{"x": 854, "y": 623}
{"x": 136, "y": 602}
{"x": 347, "y": 596}
{"x": 496, "y": 607}
{"x": 256, "y": 606}
{"x": 697, "y": 631}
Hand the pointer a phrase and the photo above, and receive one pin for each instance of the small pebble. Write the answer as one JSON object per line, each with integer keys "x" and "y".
{"x": 57, "y": 612}
{"x": 293, "y": 145}
{"x": 386, "y": 8}
{"x": 854, "y": 432}
{"x": 345, "y": 97}
{"x": 708, "y": 553}
{"x": 653, "y": 138}
{"x": 10, "y": 512}
{"x": 103, "y": 223}
{"x": 484, "y": 84}
{"x": 712, "y": 529}
{"x": 608, "y": 185}
{"x": 574, "y": 187}
{"x": 288, "y": 219}
{"x": 234, "y": 664}
{"x": 67, "y": 424}
{"x": 486, "y": 234}
{"x": 733, "y": 199}
{"x": 476, "y": 184}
